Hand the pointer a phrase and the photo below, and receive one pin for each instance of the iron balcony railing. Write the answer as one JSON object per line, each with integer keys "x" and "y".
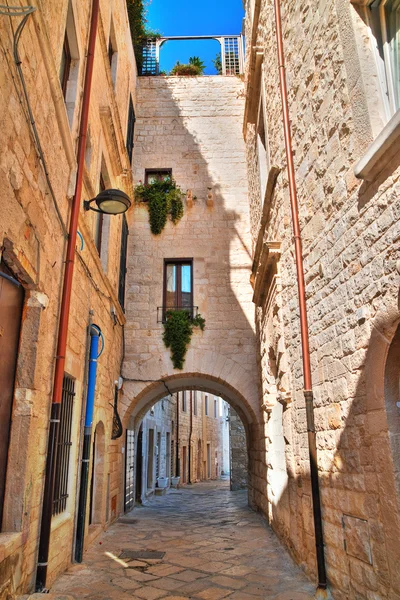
{"x": 162, "y": 311}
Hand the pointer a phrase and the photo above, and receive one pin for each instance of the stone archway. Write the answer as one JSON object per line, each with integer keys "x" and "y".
{"x": 138, "y": 397}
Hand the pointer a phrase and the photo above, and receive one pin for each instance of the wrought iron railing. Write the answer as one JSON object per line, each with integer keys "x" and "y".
{"x": 162, "y": 311}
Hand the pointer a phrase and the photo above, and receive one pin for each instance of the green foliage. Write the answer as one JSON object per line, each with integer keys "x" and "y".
{"x": 217, "y": 62}
{"x": 178, "y": 330}
{"x": 197, "y": 62}
{"x": 164, "y": 200}
{"x": 185, "y": 69}
{"x": 139, "y": 32}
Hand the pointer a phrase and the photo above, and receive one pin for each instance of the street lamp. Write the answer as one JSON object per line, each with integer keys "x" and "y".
{"x": 109, "y": 202}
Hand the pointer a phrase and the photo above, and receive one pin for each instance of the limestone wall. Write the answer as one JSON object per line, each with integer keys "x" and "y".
{"x": 33, "y": 247}
{"x": 194, "y": 127}
{"x": 238, "y": 452}
{"x": 350, "y": 235}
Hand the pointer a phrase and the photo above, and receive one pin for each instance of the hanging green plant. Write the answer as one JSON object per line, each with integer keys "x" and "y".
{"x": 164, "y": 200}
{"x": 178, "y": 330}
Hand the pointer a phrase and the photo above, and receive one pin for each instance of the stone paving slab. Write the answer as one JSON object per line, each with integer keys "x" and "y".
{"x": 215, "y": 548}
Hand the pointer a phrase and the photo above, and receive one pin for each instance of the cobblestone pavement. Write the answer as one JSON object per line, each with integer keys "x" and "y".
{"x": 215, "y": 547}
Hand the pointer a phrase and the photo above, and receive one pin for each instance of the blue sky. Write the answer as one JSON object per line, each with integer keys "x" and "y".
{"x": 183, "y": 17}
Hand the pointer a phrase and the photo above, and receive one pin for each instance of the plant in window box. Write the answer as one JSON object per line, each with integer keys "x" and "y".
{"x": 164, "y": 201}
{"x": 178, "y": 330}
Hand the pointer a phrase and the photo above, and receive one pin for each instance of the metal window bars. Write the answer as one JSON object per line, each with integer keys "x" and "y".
{"x": 64, "y": 446}
{"x": 232, "y": 53}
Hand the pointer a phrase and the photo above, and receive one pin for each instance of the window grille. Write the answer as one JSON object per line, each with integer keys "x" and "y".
{"x": 64, "y": 446}
{"x": 150, "y": 62}
{"x": 231, "y": 51}
{"x": 122, "y": 265}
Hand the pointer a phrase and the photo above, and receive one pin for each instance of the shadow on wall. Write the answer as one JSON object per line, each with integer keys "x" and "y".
{"x": 193, "y": 125}
{"x": 359, "y": 468}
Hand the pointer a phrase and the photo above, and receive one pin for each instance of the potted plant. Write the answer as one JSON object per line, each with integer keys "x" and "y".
{"x": 175, "y": 481}
{"x": 162, "y": 482}
{"x": 193, "y": 68}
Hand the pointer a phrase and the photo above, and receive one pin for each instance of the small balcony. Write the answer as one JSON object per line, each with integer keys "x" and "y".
{"x": 162, "y": 312}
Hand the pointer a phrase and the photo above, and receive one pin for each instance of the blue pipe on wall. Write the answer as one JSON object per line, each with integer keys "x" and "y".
{"x": 95, "y": 335}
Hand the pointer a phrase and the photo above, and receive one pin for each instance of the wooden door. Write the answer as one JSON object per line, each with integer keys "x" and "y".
{"x": 11, "y": 304}
{"x": 184, "y": 464}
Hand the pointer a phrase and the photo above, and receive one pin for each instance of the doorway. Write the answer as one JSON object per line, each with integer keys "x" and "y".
{"x": 184, "y": 464}
{"x": 11, "y": 304}
{"x": 208, "y": 461}
{"x": 199, "y": 460}
{"x": 139, "y": 466}
{"x": 168, "y": 455}
{"x": 150, "y": 459}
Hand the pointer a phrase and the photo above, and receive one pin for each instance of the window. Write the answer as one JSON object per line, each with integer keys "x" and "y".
{"x": 130, "y": 130}
{"x": 64, "y": 446}
{"x": 113, "y": 53}
{"x": 178, "y": 284}
{"x": 65, "y": 67}
{"x": 184, "y": 403}
{"x": 122, "y": 264}
{"x": 206, "y": 405}
{"x": 69, "y": 65}
{"x": 195, "y": 403}
{"x": 385, "y": 23}
{"x": 152, "y": 175}
{"x": 215, "y": 408}
{"x": 262, "y": 148}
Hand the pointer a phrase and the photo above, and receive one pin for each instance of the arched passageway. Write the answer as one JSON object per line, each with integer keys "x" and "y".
{"x": 136, "y": 405}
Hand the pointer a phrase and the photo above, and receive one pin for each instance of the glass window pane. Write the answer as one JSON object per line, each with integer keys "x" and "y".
{"x": 186, "y": 286}
{"x": 392, "y": 14}
{"x": 171, "y": 286}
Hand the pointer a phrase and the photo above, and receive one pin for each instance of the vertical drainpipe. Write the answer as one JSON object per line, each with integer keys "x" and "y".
{"x": 177, "y": 470}
{"x": 308, "y": 392}
{"x": 47, "y": 505}
{"x": 95, "y": 333}
{"x": 190, "y": 434}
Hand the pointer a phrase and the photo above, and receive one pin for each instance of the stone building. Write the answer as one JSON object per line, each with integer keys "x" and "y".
{"x": 189, "y": 423}
{"x": 192, "y": 128}
{"x": 236, "y": 229}
{"x": 38, "y": 167}
{"x": 344, "y": 124}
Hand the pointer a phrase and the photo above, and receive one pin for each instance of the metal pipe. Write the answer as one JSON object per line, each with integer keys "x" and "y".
{"x": 177, "y": 467}
{"x": 91, "y": 388}
{"x": 308, "y": 392}
{"x": 190, "y": 434}
{"x": 44, "y": 543}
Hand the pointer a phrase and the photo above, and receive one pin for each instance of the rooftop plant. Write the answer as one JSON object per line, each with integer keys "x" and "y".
{"x": 195, "y": 66}
{"x": 139, "y": 31}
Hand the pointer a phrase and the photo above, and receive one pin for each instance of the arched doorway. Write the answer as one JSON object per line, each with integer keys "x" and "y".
{"x": 392, "y": 401}
{"x": 97, "y": 481}
{"x": 208, "y": 462}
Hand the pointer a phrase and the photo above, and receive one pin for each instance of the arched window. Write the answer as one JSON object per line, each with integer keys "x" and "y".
{"x": 392, "y": 400}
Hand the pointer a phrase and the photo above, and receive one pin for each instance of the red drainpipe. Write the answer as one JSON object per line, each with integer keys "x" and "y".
{"x": 305, "y": 346}
{"x": 44, "y": 543}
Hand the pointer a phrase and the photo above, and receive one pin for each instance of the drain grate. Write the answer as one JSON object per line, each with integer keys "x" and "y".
{"x": 141, "y": 554}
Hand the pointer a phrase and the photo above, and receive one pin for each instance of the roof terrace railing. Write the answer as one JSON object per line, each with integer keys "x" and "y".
{"x": 232, "y": 53}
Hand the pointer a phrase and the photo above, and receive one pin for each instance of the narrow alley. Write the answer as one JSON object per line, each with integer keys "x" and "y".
{"x": 210, "y": 544}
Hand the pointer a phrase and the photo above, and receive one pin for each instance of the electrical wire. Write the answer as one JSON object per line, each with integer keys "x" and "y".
{"x": 25, "y": 12}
